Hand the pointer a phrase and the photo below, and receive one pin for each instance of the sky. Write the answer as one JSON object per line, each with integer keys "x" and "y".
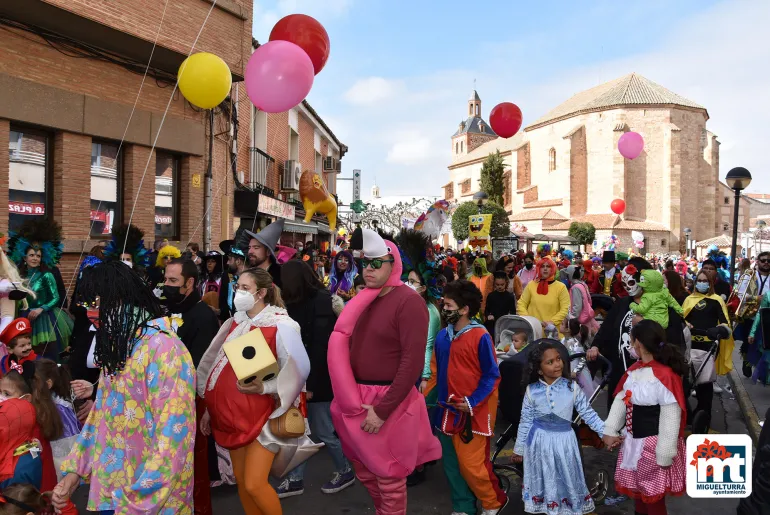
{"x": 400, "y": 72}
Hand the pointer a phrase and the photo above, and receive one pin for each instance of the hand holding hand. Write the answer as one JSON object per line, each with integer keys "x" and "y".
{"x": 592, "y": 354}
{"x": 373, "y": 423}
{"x": 611, "y": 441}
{"x": 64, "y": 490}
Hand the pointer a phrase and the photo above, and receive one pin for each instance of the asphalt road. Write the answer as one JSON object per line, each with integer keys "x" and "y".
{"x": 432, "y": 497}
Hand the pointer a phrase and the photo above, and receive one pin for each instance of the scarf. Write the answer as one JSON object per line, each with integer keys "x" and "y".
{"x": 542, "y": 285}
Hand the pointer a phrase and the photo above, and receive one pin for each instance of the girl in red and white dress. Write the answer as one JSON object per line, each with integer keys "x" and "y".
{"x": 649, "y": 407}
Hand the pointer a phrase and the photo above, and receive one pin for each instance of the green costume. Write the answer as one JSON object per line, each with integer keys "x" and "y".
{"x": 656, "y": 299}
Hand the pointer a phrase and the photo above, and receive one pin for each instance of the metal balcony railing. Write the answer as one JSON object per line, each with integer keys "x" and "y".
{"x": 261, "y": 166}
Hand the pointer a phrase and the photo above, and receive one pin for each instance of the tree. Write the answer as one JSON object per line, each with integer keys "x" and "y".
{"x": 492, "y": 182}
{"x": 501, "y": 227}
{"x": 583, "y": 232}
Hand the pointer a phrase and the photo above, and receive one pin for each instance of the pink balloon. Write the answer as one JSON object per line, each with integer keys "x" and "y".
{"x": 631, "y": 145}
{"x": 279, "y": 76}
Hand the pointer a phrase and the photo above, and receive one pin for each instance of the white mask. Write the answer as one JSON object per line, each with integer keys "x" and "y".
{"x": 128, "y": 263}
{"x": 632, "y": 352}
{"x": 244, "y": 301}
{"x": 3, "y": 398}
{"x": 412, "y": 286}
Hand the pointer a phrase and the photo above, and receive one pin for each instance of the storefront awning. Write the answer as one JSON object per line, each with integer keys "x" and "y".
{"x": 299, "y": 227}
{"x": 324, "y": 229}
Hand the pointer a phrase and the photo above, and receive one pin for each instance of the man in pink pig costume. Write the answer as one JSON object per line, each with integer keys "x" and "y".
{"x": 376, "y": 355}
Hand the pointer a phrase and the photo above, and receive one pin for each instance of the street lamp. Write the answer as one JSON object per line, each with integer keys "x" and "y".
{"x": 480, "y": 198}
{"x": 687, "y": 232}
{"x": 761, "y": 225}
{"x": 738, "y": 179}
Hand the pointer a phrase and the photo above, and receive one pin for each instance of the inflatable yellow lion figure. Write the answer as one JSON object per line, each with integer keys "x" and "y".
{"x": 316, "y": 198}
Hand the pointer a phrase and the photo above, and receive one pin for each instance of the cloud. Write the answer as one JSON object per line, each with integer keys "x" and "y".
{"x": 412, "y": 148}
{"x": 372, "y": 91}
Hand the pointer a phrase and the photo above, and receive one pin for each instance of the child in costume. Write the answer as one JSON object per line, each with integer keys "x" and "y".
{"x": 500, "y": 302}
{"x": 36, "y": 249}
{"x": 467, "y": 383}
{"x": 553, "y": 471}
{"x": 483, "y": 280}
{"x": 21, "y": 384}
{"x": 20, "y": 460}
{"x": 17, "y": 338}
{"x": 650, "y": 408}
{"x": 57, "y": 380}
{"x": 656, "y": 298}
{"x": 11, "y": 290}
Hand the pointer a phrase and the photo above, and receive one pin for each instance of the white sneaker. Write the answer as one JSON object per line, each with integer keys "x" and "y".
{"x": 496, "y": 511}
{"x": 717, "y": 388}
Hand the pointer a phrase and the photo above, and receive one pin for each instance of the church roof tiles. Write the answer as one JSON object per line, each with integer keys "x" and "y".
{"x": 629, "y": 90}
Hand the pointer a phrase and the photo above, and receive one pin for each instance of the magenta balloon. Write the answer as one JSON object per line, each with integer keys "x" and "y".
{"x": 631, "y": 145}
{"x": 279, "y": 76}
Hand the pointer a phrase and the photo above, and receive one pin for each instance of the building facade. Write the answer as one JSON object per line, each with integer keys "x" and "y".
{"x": 565, "y": 166}
{"x": 70, "y": 73}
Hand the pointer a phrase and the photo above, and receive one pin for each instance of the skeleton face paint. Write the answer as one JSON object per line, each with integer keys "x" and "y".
{"x": 629, "y": 280}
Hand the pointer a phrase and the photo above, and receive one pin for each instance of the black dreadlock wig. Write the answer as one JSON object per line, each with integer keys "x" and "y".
{"x": 126, "y": 305}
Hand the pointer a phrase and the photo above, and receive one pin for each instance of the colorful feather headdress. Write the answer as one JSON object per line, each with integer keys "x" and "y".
{"x": 413, "y": 246}
{"x": 132, "y": 238}
{"x": 41, "y": 234}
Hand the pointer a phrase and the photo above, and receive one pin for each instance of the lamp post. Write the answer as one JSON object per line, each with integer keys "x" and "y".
{"x": 480, "y": 198}
{"x": 761, "y": 225}
{"x": 687, "y": 232}
{"x": 738, "y": 179}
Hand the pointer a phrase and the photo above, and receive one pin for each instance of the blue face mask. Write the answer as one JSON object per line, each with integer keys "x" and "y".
{"x": 702, "y": 287}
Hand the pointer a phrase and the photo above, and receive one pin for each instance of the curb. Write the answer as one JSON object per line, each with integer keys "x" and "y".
{"x": 747, "y": 407}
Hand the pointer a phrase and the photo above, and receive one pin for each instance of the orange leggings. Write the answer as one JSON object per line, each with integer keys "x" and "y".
{"x": 251, "y": 466}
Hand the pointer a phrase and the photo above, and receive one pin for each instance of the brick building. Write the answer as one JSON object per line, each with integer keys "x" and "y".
{"x": 281, "y": 146}
{"x": 566, "y": 167}
{"x": 70, "y": 72}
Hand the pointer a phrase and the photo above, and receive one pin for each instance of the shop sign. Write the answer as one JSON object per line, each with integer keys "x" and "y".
{"x": 162, "y": 220}
{"x": 23, "y": 208}
{"x": 274, "y": 207}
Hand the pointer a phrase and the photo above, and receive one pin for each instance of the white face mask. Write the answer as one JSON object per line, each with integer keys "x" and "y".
{"x": 128, "y": 263}
{"x": 632, "y": 352}
{"x": 412, "y": 286}
{"x": 244, "y": 300}
{"x": 3, "y": 398}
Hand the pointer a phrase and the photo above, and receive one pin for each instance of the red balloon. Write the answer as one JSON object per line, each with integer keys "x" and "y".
{"x": 618, "y": 206}
{"x": 305, "y": 32}
{"x": 505, "y": 119}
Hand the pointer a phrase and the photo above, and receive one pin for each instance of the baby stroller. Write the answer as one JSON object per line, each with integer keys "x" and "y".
{"x": 507, "y": 325}
{"x": 512, "y": 370}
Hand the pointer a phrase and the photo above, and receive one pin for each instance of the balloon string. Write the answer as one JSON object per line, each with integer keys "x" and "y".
{"x": 117, "y": 156}
{"x": 162, "y": 121}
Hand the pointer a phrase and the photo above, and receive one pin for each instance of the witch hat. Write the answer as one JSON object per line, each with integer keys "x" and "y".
{"x": 269, "y": 236}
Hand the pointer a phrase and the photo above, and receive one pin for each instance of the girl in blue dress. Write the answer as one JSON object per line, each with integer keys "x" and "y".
{"x": 553, "y": 472}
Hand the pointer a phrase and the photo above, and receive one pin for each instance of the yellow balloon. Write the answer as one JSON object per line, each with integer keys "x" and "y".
{"x": 204, "y": 80}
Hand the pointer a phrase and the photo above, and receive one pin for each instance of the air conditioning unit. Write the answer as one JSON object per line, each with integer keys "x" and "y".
{"x": 330, "y": 164}
{"x": 292, "y": 170}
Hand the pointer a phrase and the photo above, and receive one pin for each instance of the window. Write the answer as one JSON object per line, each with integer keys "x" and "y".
{"x": 457, "y": 148}
{"x": 662, "y": 243}
{"x": 449, "y": 191}
{"x": 105, "y": 188}
{"x": 465, "y": 186}
{"x": 482, "y": 128}
{"x": 725, "y": 226}
{"x": 461, "y": 146}
{"x": 166, "y": 198}
{"x": 478, "y": 110}
{"x": 28, "y": 155}
{"x": 552, "y": 160}
{"x": 319, "y": 163}
{"x": 727, "y": 200}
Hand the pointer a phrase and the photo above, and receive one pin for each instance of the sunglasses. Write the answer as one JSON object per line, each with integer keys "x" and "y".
{"x": 375, "y": 263}
{"x": 764, "y": 260}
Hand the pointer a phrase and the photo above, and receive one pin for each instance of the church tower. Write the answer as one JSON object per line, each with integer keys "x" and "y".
{"x": 375, "y": 190}
{"x": 471, "y": 132}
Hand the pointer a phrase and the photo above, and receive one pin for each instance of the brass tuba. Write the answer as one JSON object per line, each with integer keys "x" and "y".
{"x": 746, "y": 291}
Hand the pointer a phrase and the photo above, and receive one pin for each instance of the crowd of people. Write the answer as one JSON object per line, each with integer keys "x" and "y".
{"x": 161, "y": 374}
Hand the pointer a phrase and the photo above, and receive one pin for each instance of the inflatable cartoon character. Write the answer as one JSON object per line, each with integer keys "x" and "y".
{"x": 478, "y": 231}
{"x": 316, "y": 198}
{"x": 432, "y": 220}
